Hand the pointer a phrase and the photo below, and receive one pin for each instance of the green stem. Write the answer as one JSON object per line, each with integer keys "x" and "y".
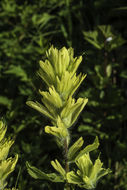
{"x": 67, "y": 185}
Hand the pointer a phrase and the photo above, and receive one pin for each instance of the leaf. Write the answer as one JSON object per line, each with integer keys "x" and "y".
{"x": 91, "y": 37}
{"x": 5, "y": 101}
{"x": 73, "y": 150}
{"x": 57, "y": 166}
{"x": 88, "y": 148}
{"x": 123, "y": 74}
{"x": 59, "y": 132}
{"x": 81, "y": 102}
{"x": 38, "y": 174}
{"x": 109, "y": 70}
{"x": 39, "y": 107}
{"x": 121, "y": 8}
{"x": 105, "y": 30}
{"x": 18, "y": 71}
{"x": 73, "y": 178}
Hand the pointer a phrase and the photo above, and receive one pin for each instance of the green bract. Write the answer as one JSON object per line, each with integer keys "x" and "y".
{"x": 88, "y": 173}
{"x": 6, "y": 167}
{"x": 4, "y": 148}
{"x": 58, "y": 71}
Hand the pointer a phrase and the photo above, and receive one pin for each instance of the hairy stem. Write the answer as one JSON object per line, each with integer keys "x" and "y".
{"x": 67, "y": 185}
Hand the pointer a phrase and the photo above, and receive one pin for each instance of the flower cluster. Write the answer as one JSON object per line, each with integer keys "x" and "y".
{"x": 58, "y": 71}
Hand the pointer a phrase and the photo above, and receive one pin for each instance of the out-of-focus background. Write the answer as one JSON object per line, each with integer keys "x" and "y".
{"x": 97, "y": 30}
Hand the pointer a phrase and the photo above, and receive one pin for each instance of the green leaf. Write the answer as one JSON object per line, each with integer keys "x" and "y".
{"x": 38, "y": 174}
{"x": 73, "y": 178}
{"x": 57, "y": 166}
{"x": 60, "y": 132}
{"x": 123, "y": 74}
{"x": 89, "y": 148}
{"x": 18, "y": 71}
{"x": 5, "y": 101}
{"x": 92, "y": 38}
{"x": 73, "y": 150}
{"x": 39, "y": 107}
{"x": 109, "y": 70}
{"x": 121, "y": 8}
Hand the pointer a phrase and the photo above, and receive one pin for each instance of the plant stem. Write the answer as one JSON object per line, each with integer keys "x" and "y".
{"x": 67, "y": 185}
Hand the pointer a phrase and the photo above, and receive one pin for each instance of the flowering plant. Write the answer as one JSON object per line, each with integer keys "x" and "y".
{"x": 58, "y": 71}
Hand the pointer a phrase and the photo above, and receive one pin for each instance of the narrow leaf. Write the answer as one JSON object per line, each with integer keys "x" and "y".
{"x": 38, "y": 174}
{"x": 89, "y": 148}
{"x": 57, "y": 166}
{"x": 39, "y": 107}
{"x": 73, "y": 150}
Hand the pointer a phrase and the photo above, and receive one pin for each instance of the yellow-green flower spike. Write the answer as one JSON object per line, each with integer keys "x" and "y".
{"x": 59, "y": 70}
{"x": 59, "y": 73}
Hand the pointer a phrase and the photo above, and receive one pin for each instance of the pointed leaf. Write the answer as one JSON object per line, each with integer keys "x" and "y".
{"x": 81, "y": 102}
{"x": 89, "y": 148}
{"x": 39, "y": 107}
{"x": 38, "y": 174}
{"x": 73, "y": 150}
{"x": 57, "y": 166}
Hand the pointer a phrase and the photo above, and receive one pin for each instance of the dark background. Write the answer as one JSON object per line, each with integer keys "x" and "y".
{"x": 96, "y": 29}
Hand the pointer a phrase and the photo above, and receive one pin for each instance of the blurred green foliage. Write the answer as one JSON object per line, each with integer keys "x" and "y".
{"x": 97, "y": 29}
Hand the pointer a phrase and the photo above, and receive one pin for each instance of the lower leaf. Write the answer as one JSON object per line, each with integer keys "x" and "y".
{"x": 38, "y": 174}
